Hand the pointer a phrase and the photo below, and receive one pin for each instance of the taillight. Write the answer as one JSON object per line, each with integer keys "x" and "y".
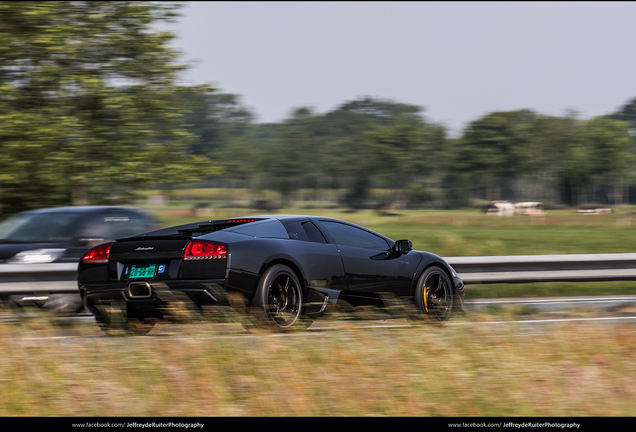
{"x": 98, "y": 254}
{"x": 201, "y": 250}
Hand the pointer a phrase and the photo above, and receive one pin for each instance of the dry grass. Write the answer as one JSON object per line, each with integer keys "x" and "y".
{"x": 471, "y": 368}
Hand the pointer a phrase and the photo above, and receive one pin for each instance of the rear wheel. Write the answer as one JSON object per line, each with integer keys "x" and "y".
{"x": 116, "y": 323}
{"x": 279, "y": 298}
{"x": 140, "y": 327}
{"x": 434, "y": 295}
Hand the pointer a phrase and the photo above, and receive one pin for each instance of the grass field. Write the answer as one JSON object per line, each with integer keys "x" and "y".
{"x": 469, "y": 232}
{"x": 473, "y": 368}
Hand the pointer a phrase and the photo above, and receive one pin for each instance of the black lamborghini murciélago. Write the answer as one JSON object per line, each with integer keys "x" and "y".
{"x": 290, "y": 268}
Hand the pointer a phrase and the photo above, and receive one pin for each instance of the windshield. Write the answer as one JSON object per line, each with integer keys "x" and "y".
{"x": 51, "y": 227}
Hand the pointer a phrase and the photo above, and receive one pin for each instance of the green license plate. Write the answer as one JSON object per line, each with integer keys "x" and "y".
{"x": 142, "y": 272}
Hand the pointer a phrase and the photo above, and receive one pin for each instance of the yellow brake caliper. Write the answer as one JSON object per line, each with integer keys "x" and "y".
{"x": 425, "y": 298}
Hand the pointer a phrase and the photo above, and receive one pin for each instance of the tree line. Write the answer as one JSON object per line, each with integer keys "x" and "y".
{"x": 369, "y": 144}
{"x": 91, "y": 111}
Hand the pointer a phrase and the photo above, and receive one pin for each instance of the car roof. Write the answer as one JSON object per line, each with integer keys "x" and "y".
{"x": 83, "y": 209}
{"x": 265, "y": 217}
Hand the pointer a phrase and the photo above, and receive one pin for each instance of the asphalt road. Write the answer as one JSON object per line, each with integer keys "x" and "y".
{"x": 532, "y": 314}
{"x": 553, "y": 304}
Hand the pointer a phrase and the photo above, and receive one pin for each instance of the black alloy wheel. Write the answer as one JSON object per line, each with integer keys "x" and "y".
{"x": 279, "y": 296}
{"x": 434, "y": 295}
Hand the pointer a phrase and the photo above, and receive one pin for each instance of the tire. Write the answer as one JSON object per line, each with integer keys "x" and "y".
{"x": 140, "y": 327}
{"x": 279, "y": 299}
{"x": 434, "y": 295}
{"x": 115, "y": 323}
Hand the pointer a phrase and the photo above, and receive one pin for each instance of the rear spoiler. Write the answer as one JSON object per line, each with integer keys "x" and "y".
{"x": 193, "y": 229}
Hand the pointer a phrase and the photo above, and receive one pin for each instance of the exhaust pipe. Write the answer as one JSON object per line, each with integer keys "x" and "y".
{"x": 139, "y": 290}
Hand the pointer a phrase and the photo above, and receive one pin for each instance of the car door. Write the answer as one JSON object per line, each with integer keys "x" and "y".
{"x": 369, "y": 267}
{"x": 320, "y": 260}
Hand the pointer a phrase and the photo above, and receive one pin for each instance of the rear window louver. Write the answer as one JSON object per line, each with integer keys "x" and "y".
{"x": 217, "y": 225}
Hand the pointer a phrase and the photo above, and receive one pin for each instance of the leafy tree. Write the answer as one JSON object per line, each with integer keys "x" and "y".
{"x": 389, "y": 143}
{"x": 575, "y": 172}
{"x": 290, "y": 158}
{"x": 383, "y": 111}
{"x": 627, "y": 113}
{"x": 495, "y": 150}
{"x": 522, "y": 154}
{"x": 214, "y": 119}
{"x": 611, "y": 157}
{"x": 583, "y": 156}
{"x": 88, "y": 102}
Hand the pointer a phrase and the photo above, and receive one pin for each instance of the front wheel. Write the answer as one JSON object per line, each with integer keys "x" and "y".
{"x": 279, "y": 298}
{"x": 434, "y": 295}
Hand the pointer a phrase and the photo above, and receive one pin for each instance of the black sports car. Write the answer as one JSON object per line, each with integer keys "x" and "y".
{"x": 290, "y": 268}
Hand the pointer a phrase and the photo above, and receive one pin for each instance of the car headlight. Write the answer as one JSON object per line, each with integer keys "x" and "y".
{"x": 37, "y": 256}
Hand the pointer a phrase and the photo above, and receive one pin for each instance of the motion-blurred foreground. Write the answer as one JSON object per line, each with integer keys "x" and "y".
{"x": 471, "y": 368}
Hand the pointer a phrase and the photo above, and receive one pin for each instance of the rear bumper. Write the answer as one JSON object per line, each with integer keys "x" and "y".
{"x": 148, "y": 299}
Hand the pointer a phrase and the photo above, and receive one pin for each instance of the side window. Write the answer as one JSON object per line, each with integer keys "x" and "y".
{"x": 136, "y": 224}
{"x": 347, "y": 235}
{"x": 263, "y": 229}
{"x": 113, "y": 226}
{"x": 305, "y": 231}
{"x": 313, "y": 233}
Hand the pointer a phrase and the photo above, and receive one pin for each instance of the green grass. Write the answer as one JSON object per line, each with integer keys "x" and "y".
{"x": 454, "y": 233}
{"x": 467, "y": 232}
{"x": 470, "y": 369}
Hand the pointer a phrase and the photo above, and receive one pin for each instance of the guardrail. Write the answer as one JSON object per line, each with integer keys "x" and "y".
{"x": 545, "y": 268}
{"x": 38, "y": 278}
{"x": 62, "y": 278}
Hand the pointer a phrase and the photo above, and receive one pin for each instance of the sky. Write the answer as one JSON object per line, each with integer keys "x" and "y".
{"x": 457, "y": 60}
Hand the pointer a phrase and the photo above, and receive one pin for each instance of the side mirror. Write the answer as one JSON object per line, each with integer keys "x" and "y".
{"x": 402, "y": 247}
